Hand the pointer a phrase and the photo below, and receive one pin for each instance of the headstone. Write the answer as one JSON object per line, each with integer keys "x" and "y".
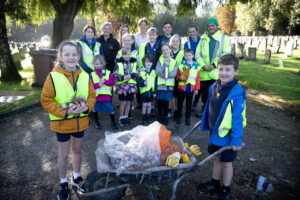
{"x": 240, "y": 51}
{"x": 17, "y": 60}
{"x": 252, "y": 54}
{"x": 289, "y": 48}
{"x": 267, "y": 56}
{"x": 233, "y": 49}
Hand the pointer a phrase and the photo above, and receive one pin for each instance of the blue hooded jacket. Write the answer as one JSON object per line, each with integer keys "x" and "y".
{"x": 238, "y": 95}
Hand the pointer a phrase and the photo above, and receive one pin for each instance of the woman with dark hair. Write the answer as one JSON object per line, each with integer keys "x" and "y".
{"x": 88, "y": 47}
{"x": 110, "y": 46}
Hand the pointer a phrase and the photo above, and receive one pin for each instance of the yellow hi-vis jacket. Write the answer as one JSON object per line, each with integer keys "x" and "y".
{"x": 121, "y": 72}
{"x": 88, "y": 53}
{"x": 179, "y": 57}
{"x": 222, "y": 47}
{"x": 64, "y": 92}
{"x": 150, "y": 78}
{"x": 141, "y": 53}
{"x": 105, "y": 89}
{"x": 133, "y": 53}
{"x": 192, "y": 76}
{"x": 168, "y": 81}
{"x": 226, "y": 123}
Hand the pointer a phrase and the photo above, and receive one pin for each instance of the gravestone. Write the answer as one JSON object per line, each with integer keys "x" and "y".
{"x": 252, "y": 54}
{"x": 233, "y": 48}
{"x": 289, "y": 48}
{"x": 17, "y": 60}
{"x": 240, "y": 50}
{"x": 267, "y": 56}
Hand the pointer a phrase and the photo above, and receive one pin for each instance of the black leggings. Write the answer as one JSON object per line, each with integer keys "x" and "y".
{"x": 188, "y": 104}
{"x": 163, "y": 106}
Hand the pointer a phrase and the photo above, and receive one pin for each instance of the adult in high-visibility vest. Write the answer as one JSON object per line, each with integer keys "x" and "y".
{"x": 211, "y": 47}
{"x": 224, "y": 116}
{"x": 166, "y": 70}
{"x": 89, "y": 47}
{"x": 69, "y": 122}
{"x": 103, "y": 81}
{"x": 187, "y": 85}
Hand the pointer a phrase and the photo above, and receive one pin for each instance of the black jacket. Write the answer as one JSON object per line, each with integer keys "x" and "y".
{"x": 110, "y": 49}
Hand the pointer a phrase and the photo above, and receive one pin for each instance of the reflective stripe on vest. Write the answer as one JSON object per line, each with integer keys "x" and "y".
{"x": 141, "y": 53}
{"x": 121, "y": 72}
{"x": 226, "y": 123}
{"x": 105, "y": 89}
{"x": 64, "y": 91}
{"x": 88, "y": 54}
{"x": 192, "y": 76}
{"x": 168, "y": 81}
{"x": 150, "y": 78}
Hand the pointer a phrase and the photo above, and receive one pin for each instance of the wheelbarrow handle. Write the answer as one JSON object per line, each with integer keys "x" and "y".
{"x": 212, "y": 156}
{"x": 192, "y": 130}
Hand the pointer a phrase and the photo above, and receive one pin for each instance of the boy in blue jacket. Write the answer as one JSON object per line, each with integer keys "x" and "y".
{"x": 224, "y": 117}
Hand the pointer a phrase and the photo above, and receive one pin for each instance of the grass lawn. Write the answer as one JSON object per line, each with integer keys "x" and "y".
{"x": 28, "y": 76}
{"x": 281, "y": 83}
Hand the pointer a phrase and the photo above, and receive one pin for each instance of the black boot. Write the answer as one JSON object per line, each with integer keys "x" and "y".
{"x": 144, "y": 119}
{"x": 113, "y": 122}
{"x": 175, "y": 115}
{"x": 149, "y": 120}
{"x": 97, "y": 123}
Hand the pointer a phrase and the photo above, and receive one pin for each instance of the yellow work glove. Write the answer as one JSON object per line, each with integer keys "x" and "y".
{"x": 185, "y": 158}
{"x": 173, "y": 159}
{"x": 194, "y": 149}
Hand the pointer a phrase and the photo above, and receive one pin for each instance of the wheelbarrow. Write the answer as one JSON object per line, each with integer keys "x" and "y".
{"x": 112, "y": 186}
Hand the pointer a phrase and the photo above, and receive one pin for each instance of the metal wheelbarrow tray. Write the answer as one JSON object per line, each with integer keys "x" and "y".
{"x": 109, "y": 185}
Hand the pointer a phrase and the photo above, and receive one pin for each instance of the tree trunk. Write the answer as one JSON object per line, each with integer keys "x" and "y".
{"x": 63, "y": 23}
{"x": 8, "y": 70}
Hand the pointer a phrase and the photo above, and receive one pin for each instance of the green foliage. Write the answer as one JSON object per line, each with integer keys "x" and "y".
{"x": 277, "y": 17}
{"x": 281, "y": 82}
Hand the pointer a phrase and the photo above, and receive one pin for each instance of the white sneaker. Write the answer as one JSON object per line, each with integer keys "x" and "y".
{"x": 170, "y": 115}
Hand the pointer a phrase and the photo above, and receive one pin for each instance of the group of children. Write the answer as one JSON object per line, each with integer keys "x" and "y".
{"x": 173, "y": 74}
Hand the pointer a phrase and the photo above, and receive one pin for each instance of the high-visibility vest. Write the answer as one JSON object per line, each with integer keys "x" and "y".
{"x": 192, "y": 76}
{"x": 150, "y": 78}
{"x": 121, "y": 72}
{"x": 168, "y": 81}
{"x": 202, "y": 54}
{"x": 64, "y": 91}
{"x": 141, "y": 53}
{"x": 88, "y": 53}
{"x": 105, "y": 89}
{"x": 178, "y": 58}
{"x": 226, "y": 124}
{"x": 133, "y": 53}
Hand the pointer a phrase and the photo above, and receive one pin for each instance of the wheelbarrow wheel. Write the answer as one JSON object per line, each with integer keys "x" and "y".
{"x": 96, "y": 181}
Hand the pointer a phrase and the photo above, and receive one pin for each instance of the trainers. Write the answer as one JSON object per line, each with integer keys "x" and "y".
{"x": 78, "y": 184}
{"x": 209, "y": 187}
{"x": 122, "y": 122}
{"x": 225, "y": 194}
{"x": 149, "y": 120}
{"x": 98, "y": 125}
{"x": 64, "y": 192}
{"x": 114, "y": 125}
{"x": 144, "y": 120}
{"x": 130, "y": 116}
{"x": 169, "y": 115}
{"x": 187, "y": 122}
{"x": 127, "y": 122}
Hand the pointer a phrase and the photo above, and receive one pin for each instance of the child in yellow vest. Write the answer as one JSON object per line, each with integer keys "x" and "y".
{"x": 147, "y": 87}
{"x": 69, "y": 122}
{"x": 166, "y": 70}
{"x": 188, "y": 84}
{"x": 126, "y": 75}
{"x": 103, "y": 81}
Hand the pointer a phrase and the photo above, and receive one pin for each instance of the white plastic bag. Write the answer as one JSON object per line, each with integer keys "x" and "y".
{"x": 134, "y": 150}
